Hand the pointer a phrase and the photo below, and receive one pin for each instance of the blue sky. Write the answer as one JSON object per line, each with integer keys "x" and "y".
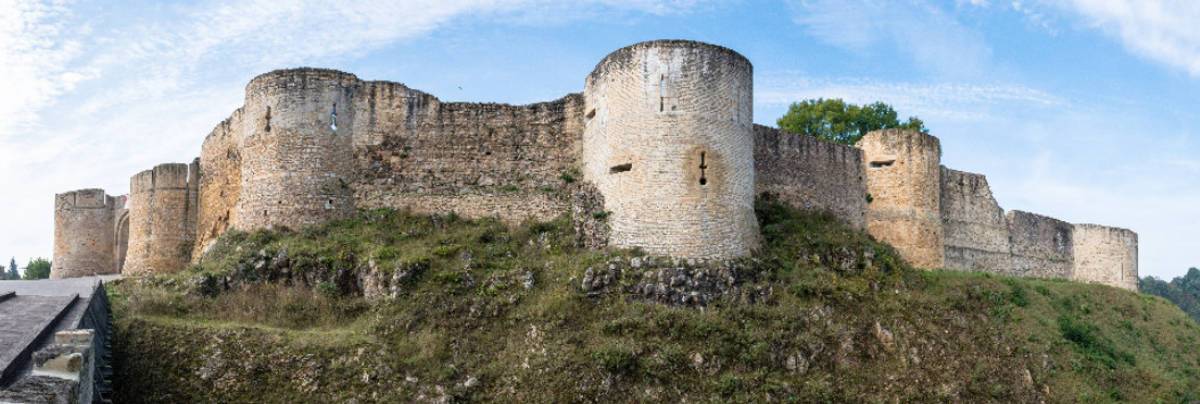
{"x": 1086, "y": 110}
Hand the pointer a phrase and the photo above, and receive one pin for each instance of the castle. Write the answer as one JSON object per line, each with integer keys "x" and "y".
{"x": 659, "y": 152}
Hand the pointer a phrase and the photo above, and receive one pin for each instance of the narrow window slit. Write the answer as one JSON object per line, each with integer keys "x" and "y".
{"x": 620, "y": 168}
{"x": 591, "y": 114}
{"x": 881, "y": 164}
{"x": 268, "y": 119}
{"x": 703, "y": 167}
{"x": 333, "y": 118}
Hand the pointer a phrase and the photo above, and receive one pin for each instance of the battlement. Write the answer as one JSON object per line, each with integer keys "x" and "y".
{"x": 90, "y": 198}
{"x": 658, "y": 152}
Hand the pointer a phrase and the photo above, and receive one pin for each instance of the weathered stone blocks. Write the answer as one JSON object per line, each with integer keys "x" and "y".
{"x": 904, "y": 182}
{"x": 86, "y": 234}
{"x": 669, "y": 143}
{"x": 659, "y": 152}
{"x": 162, "y": 215}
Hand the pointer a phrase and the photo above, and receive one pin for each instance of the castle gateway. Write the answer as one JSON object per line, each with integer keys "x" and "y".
{"x": 659, "y": 152}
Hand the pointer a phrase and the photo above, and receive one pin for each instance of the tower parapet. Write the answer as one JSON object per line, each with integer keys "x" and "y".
{"x": 668, "y": 141}
{"x": 297, "y": 154}
{"x": 162, "y": 214}
{"x": 85, "y": 241}
{"x": 904, "y": 183}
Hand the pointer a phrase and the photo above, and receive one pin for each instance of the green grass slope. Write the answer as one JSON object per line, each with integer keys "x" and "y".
{"x": 477, "y": 311}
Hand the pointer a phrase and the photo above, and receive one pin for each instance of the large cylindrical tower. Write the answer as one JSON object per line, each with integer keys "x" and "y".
{"x": 904, "y": 183}
{"x": 297, "y": 152}
{"x": 162, "y": 210}
{"x": 668, "y": 141}
{"x": 84, "y": 234}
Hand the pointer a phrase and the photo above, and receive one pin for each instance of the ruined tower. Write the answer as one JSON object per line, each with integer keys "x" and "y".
{"x": 903, "y": 180}
{"x": 297, "y": 155}
{"x": 162, "y": 215}
{"x": 85, "y": 233}
{"x": 1107, "y": 255}
{"x": 668, "y": 141}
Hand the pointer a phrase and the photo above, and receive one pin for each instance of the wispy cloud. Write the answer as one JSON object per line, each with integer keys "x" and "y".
{"x": 1162, "y": 30}
{"x": 131, "y": 87}
{"x": 931, "y": 38}
{"x": 956, "y": 101}
{"x": 35, "y": 48}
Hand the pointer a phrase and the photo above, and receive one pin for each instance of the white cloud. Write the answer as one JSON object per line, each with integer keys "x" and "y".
{"x": 1165, "y": 31}
{"x": 932, "y": 39}
{"x": 34, "y": 49}
{"x": 930, "y": 101}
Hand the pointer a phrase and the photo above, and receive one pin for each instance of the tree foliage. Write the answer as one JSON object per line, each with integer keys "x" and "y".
{"x": 837, "y": 121}
{"x": 38, "y": 268}
{"x": 12, "y": 273}
{"x": 1183, "y": 291}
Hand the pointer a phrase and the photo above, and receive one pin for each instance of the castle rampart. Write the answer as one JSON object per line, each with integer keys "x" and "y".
{"x": 903, "y": 179}
{"x": 808, "y": 173}
{"x": 85, "y": 233}
{"x": 162, "y": 209}
{"x": 297, "y": 157}
{"x": 669, "y": 143}
{"x": 473, "y": 159}
{"x": 975, "y": 232}
{"x": 220, "y": 182}
{"x": 1107, "y": 255}
{"x": 659, "y": 152}
{"x": 1041, "y": 246}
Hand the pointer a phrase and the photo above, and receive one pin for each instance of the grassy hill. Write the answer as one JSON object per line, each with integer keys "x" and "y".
{"x": 392, "y": 307}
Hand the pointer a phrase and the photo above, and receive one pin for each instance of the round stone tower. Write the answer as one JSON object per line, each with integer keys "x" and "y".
{"x": 297, "y": 152}
{"x": 162, "y": 211}
{"x": 904, "y": 184}
{"x": 84, "y": 234}
{"x": 668, "y": 141}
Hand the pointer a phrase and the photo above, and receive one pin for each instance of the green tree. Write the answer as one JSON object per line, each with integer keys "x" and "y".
{"x": 38, "y": 268}
{"x": 1184, "y": 291}
{"x": 12, "y": 270}
{"x": 835, "y": 120}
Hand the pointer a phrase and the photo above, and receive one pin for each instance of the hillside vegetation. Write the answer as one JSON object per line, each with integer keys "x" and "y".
{"x": 393, "y": 307}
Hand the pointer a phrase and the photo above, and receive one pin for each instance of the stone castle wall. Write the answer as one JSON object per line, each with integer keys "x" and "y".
{"x": 162, "y": 212}
{"x": 669, "y": 143}
{"x": 903, "y": 179}
{"x": 1107, "y": 255}
{"x": 220, "y": 182}
{"x": 659, "y": 152}
{"x": 808, "y": 173}
{"x": 297, "y": 158}
{"x": 418, "y": 153}
{"x": 1041, "y": 246}
{"x": 85, "y": 224}
{"x": 973, "y": 224}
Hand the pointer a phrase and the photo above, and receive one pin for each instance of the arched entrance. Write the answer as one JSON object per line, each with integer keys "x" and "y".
{"x": 122, "y": 242}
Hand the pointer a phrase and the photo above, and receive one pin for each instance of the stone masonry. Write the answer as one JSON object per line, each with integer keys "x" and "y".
{"x": 86, "y": 230}
{"x": 659, "y": 152}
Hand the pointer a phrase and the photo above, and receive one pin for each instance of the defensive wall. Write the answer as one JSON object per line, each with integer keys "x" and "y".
{"x": 938, "y": 217}
{"x": 658, "y": 152}
{"x": 162, "y": 213}
{"x": 87, "y": 226}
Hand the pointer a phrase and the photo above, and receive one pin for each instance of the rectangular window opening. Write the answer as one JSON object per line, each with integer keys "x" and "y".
{"x": 620, "y": 168}
{"x": 881, "y": 164}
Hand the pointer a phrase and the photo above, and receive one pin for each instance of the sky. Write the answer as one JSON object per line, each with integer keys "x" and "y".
{"x": 1084, "y": 110}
